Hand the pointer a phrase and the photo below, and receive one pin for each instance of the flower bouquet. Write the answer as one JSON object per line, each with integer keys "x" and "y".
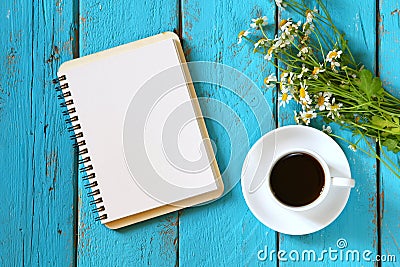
{"x": 318, "y": 72}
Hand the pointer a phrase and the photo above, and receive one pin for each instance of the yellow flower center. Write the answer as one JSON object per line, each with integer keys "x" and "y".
{"x": 315, "y": 71}
{"x": 259, "y": 21}
{"x": 309, "y": 116}
{"x": 333, "y": 54}
{"x": 270, "y": 50}
{"x": 334, "y": 107}
{"x": 240, "y": 34}
{"x": 282, "y": 74}
{"x": 284, "y": 96}
{"x": 261, "y": 41}
{"x": 266, "y": 81}
{"x": 321, "y": 100}
{"x": 302, "y": 92}
{"x": 283, "y": 22}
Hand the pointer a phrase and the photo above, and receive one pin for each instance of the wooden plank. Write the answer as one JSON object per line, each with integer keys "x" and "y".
{"x": 37, "y": 186}
{"x": 389, "y": 185}
{"x": 224, "y": 233}
{"x": 104, "y": 25}
{"x": 358, "y": 219}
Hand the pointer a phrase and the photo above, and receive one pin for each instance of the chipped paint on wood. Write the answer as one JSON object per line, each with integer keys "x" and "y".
{"x": 104, "y": 25}
{"x": 37, "y": 186}
{"x": 39, "y": 194}
{"x": 223, "y": 233}
{"x": 390, "y": 75}
{"x": 359, "y": 218}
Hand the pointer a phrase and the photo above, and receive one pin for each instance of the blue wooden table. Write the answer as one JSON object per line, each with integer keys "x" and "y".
{"x": 44, "y": 213}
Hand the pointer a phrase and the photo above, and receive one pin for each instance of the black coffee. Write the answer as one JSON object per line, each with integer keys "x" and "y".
{"x": 297, "y": 179}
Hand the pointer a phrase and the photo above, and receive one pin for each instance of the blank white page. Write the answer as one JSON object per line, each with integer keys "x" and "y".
{"x": 103, "y": 86}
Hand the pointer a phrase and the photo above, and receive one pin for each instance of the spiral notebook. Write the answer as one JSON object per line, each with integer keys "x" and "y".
{"x": 143, "y": 145}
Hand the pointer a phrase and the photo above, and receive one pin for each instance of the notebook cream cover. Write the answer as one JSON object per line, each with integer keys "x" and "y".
{"x": 143, "y": 143}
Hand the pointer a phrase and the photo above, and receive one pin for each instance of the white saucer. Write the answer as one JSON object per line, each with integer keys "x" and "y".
{"x": 266, "y": 209}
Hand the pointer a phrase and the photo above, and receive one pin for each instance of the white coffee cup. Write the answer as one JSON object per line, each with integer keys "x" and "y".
{"x": 328, "y": 180}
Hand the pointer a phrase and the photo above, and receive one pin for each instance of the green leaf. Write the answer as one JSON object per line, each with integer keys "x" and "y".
{"x": 371, "y": 86}
{"x": 391, "y": 144}
{"x": 380, "y": 122}
{"x": 385, "y": 122}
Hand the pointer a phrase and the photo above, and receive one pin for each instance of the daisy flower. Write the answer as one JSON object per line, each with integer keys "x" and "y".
{"x": 307, "y": 29}
{"x": 304, "y": 51}
{"x": 288, "y": 27}
{"x": 285, "y": 24}
{"x": 322, "y": 99}
{"x": 283, "y": 40}
{"x": 280, "y": 3}
{"x": 241, "y": 35}
{"x": 333, "y": 109}
{"x": 291, "y": 78}
{"x": 283, "y": 87}
{"x": 335, "y": 64}
{"x": 316, "y": 71}
{"x": 284, "y": 77}
{"x": 353, "y": 148}
{"x": 304, "y": 39}
{"x": 326, "y": 129}
{"x": 332, "y": 55}
{"x": 260, "y": 42}
{"x": 306, "y": 116}
{"x": 305, "y": 99}
{"x": 303, "y": 91}
{"x": 305, "y": 104}
{"x": 268, "y": 56}
{"x": 270, "y": 51}
{"x": 303, "y": 70}
{"x": 284, "y": 98}
{"x": 261, "y": 21}
{"x": 310, "y": 15}
{"x": 270, "y": 80}
{"x": 296, "y": 118}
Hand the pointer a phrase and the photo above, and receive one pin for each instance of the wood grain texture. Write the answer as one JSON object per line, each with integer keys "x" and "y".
{"x": 37, "y": 184}
{"x": 104, "y": 25}
{"x": 39, "y": 188}
{"x": 389, "y": 38}
{"x": 358, "y": 222}
{"x": 224, "y": 233}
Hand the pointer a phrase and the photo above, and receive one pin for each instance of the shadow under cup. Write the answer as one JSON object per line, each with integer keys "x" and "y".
{"x": 297, "y": 179}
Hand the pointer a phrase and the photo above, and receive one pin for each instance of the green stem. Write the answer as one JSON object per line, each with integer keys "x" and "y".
{"x": 384, "y": 153}
{"x": 374, "y": 155}
{"x": 263, "y": 33}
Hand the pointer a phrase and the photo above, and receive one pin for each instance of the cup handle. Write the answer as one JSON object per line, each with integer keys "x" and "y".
{"x": 341, "y": 181}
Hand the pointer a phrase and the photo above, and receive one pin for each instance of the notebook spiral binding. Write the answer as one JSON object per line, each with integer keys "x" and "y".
{"x": 80, "y": 143}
